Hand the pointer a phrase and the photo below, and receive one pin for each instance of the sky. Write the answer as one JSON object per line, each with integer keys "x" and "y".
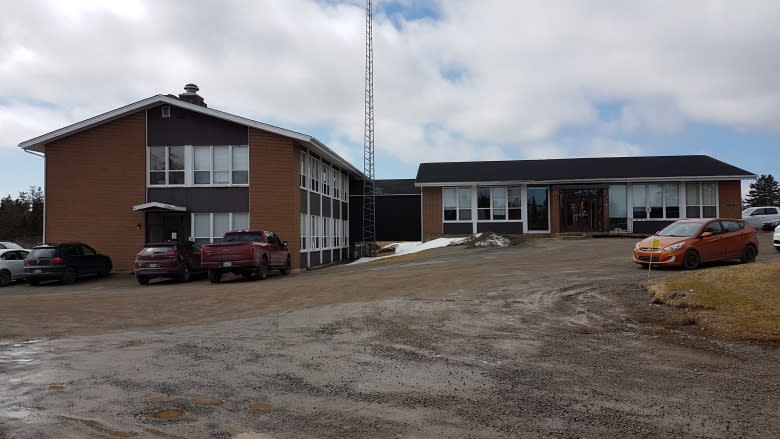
{"x": 454, "y": 80}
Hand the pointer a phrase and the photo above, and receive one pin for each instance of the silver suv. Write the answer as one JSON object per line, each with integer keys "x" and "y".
{"x": 757, "y": 216}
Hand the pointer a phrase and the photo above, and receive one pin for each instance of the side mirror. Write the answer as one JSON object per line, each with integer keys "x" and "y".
{"x": 706, "y": 235}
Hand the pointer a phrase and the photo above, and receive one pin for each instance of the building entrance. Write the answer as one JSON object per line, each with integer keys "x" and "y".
{"x": 582, "y": 210}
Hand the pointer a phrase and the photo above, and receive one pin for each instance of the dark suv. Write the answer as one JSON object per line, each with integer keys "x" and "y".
{"x": 66, "y": 262}
{"x": 175, "y": 259}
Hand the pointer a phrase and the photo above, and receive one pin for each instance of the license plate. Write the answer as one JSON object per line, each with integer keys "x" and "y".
{"x": 38, "y": 270}
{"x": 154, "y": 265}
{"x": 227, "y": 264}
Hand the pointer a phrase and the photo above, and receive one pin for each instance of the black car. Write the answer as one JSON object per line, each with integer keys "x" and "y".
{"x": 770, "y": 225}
{"x": 66, "y": 262}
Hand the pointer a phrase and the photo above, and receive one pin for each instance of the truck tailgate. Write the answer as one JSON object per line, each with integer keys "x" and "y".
{"x": 230, "y": 251}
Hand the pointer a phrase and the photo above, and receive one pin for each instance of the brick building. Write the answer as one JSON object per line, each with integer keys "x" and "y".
{"x": 592, "y": 195}
{"x": 169, "y": 167}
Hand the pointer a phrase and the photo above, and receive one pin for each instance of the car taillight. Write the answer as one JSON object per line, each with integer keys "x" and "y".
{"x": 26, "y": 262}
{"x": 56, "y": 260}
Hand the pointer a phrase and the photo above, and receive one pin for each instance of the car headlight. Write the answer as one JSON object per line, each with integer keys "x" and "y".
{"x": 674, "y": 247}
{"x": 636, "y": 247}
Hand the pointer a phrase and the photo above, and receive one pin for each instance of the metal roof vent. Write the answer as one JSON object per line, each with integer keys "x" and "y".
{"x": 166, "y": 111}
{"x": 191, "y": 95}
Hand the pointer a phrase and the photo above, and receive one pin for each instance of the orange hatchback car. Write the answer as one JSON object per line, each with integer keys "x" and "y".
{"x": 691, "y": 242}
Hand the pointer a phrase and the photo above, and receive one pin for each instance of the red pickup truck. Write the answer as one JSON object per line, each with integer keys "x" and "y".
{"x": 250, "y": 253}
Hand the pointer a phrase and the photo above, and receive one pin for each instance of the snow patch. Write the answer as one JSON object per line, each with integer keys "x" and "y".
{"x": 405, "y": 248}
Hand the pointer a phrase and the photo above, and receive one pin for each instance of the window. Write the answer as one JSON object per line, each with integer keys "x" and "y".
{"x": 618, "y": 208}
{"x": 457, "y": 204}
{"x": 314, "y": 232}
{"x": 211, "y": 227}
{"x": 537, "y": 209}
{"x": 302, "y": 169}
{"x": 326, "y": 170}
{"x": 655, "y": 200}
{"x": 304, "y": 219}
{"x": 166, "y": 165}
{"x": 324, "y": 232}
{"x": 701, "y": 200}
{"x": 220, "y": 165}
{"x": 336, "y": 182}
{"x": 314, "y": 171}
{"x": 499, "y": 203}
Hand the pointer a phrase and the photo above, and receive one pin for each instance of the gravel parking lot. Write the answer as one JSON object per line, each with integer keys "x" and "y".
{"x": 554, "y": 338}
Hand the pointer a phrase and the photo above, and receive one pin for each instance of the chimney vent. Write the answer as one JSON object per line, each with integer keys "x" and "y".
{"x": 191, "y": 95}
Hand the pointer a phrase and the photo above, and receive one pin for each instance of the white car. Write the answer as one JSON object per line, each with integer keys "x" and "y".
{"x": 12, "y": 265}
{"x": 757, "y": 216}
{"x": 776, "y": 238}
{"x": 9, "y": 244}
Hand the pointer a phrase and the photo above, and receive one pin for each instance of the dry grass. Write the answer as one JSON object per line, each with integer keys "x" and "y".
{"x": 741, "y": 301}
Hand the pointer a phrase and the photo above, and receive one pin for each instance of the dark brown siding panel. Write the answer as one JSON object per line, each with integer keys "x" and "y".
{"x": 302, "y": 260}
{"x": 511, "y": 228}
{"x": 344, "y": 209}
{"x": 326, "y": 257}
{"x": 730, "y": 198}
{"x": 432, "y": 213}
{"x": 186, "y": 127}
{"x": 457, "y": 228}
{"x": 326, "y": 206}
{"x": 304, "y": 198}
{"x": 649, "y": 227}
{"x": 314, "y": 259}
{"x": 206, "y": 200}
{"x": 314, "y": 203}
{"x": 336, "y": 209}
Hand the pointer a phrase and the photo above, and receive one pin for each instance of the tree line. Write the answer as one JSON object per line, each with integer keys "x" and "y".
{"x": 21, "y": 218}
{"x": 764, "y": 192}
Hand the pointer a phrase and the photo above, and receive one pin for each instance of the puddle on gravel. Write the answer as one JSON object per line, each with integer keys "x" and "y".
{"x": 160, "y": 398}
{"x": 168, "y": 414}
{"x": 260, "y": 406}
{"x": 210, "y": 402}
{"x": 56, "y": 387}
{"x": 97, "y": 426}
{"x": 158, "y": 433}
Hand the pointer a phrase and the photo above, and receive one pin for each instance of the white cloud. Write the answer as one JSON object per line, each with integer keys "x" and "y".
{"x": 520, "y": 72}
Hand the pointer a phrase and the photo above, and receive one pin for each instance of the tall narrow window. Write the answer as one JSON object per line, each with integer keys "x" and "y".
{"x": 450, "y": 204}
{"x": 639, "y": 196}
{"x": 302, "y": 169}
{"x": 515, "y": 203}
{"x": 672, "y": 200}
{"x": 692, "y": 201}
{"x": 303, "y": 231}
{"x": 240, "y": 164}
{"x": 166, "y": 165}
{"x": 537, "y": 209}
{"x": 709, "y": 206}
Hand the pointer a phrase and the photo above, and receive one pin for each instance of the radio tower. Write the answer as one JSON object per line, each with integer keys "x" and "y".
{"x": 369, "y": 213}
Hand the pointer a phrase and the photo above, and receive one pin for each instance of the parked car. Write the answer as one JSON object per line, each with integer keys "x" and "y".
{"x": 691, "y": 242}
{"x": 9, "y": 244}
{"x": 178, "y": 260}
{"x": 776, "y": 238}
{"x": 66, "y": 262}
{"x": 770, "y": 225}
{"x": 756, "y": 216}
{"x": 11, "y": 265}
{"x": 246, "y": 252}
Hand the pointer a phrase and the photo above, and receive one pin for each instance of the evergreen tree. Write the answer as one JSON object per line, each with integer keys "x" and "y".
{"x": 764, "y": 192}
{"x": 22, "y": 217}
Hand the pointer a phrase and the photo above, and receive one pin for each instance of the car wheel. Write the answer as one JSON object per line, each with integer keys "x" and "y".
{"x": 142, "y": 280}
{"x": 70, "y": 276}
{"x": 185, "y": 275}
{"x": 287, "y": 266}
{"x": 749, "y": 254}
{"x": 5, "y": 278}
{"x": 215, "y": 276}
{"x": 106, "y": 270}
{"x": 262, "y": 271}
{"x": 691, "y": 260}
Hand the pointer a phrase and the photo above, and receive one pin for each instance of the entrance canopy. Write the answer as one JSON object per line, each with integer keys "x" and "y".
{"x": 157, "y": 206}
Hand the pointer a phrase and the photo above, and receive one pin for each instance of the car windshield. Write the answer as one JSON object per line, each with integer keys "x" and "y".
{"x": 8, "y": 244}
{"x": 243, "y": 237}
{"x": 680, "y": 229}
{"x": 43, "y": 253}
{"x": 158, "y": 249}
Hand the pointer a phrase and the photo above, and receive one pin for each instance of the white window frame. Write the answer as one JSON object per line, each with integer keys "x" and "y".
{"x": 211, "y": 236}
{"x": 304, "y": 231}
{"x": 664, "y": 202}
{"x": 491, "y": 208}
{"x": 701, "y": 205}
{"x": 168, "y": 169}
{"x": 458, "y": 206}
{"x": 303, "y": 184}
{"x": 189, "y": 167}
{"x": 229, "y": 170}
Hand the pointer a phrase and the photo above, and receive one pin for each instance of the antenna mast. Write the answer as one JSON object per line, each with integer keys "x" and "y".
{"x": 369, "y": 212}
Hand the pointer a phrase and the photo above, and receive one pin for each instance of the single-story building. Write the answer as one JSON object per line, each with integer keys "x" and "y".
{"x": 169, "y": 167}
{"x": 620, "y": 194}
{"x": 396, "y": 210}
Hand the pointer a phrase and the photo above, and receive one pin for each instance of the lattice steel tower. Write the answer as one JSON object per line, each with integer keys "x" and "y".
{"x": 369, "y": 195}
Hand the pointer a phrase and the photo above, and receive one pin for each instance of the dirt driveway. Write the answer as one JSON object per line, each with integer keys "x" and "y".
{"x": 549, "y": 339}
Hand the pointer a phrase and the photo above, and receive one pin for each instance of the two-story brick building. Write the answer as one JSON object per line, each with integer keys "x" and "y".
{"x": 169, "y": 167}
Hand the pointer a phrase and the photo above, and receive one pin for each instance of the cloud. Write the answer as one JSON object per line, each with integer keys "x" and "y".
{"x": 454, "y": 80}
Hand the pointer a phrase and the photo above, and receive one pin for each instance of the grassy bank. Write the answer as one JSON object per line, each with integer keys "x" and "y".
{"x": 740, "y": 301}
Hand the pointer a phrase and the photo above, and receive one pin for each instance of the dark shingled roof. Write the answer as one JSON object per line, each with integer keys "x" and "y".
{"x": 403, "y": 186}
{"x": 579, "y": 169}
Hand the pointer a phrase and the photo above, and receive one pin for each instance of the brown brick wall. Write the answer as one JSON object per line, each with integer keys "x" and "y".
{"x": 730, "y": 199}
{"x": 273, "y": 188}
{"x": 93, "y": 180}
{"x": 555, "y": 211}
{"x": 432, "y": 224}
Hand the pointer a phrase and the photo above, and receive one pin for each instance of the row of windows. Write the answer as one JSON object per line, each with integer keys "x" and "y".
{"x": 211, "y": 227}
{"x": 663, "y": 200}
{"x": 494, "y": 203}
{"x": 198, "y": 165}
{"x": 318, "y": 176}
{"x": 321, "y": 233}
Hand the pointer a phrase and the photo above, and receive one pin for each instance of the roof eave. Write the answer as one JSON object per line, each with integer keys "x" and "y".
{"x": 589, "y": 180}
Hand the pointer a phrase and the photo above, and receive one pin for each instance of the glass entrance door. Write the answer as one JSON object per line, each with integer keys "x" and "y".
{"x": 166, "y": 226}
{"x": 582, "y": 210}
